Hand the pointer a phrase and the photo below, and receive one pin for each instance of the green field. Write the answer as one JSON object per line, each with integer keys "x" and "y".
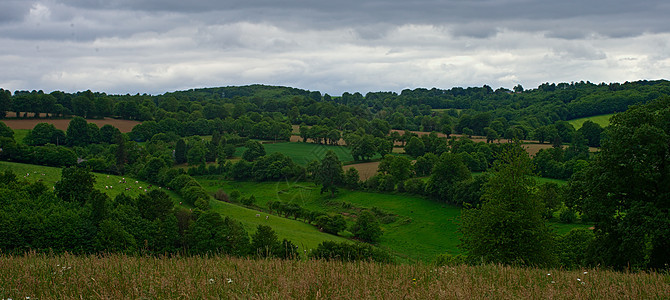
{"x": 303, "y": 153}
{"x": 19, "y": 134}
{"x": 51, "y": 175}
{"x": 422, "y": 229}
{"x": 602, "y": 120}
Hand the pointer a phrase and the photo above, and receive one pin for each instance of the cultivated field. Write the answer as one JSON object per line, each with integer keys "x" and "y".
{"x": 365, "y": 170}
{"x": 43, "y": 276}
{"x": 122, "y": 125}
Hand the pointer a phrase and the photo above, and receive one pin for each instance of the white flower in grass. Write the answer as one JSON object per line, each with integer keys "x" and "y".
{"x": 211, "y": 281}
{"x": 229, "y": 280}
{"x": 586, "y": 273}
{"x": 548, "y": 274}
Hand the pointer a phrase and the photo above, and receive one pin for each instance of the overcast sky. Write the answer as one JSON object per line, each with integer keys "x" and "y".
{"x": 156, "y": 46}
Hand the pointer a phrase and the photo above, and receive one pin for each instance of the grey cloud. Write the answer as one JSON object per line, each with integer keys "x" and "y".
{"x": 623, "y": 16}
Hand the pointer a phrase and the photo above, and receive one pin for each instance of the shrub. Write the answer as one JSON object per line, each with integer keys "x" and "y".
{"x": 567, "y": 216}
{"x": 345, "y": 251}
{"x": 235, "y": 195}
{"x": 249, "y": 200}
{"x": 221, "y": 195}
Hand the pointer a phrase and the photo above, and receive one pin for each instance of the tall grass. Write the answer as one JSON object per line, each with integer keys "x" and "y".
{"x": 66, "y": 276}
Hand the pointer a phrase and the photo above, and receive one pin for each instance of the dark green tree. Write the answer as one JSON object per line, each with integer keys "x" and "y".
{"x": 264, "y": 242}
{"x": 180, "y": 152}
{"x": 329, "y": 173}
{"x": 625, "y": 189}
{"x": 448, "y": 170}
{"x": 415, "y": 147}
{"x": 254, "y": 150}
{"x": 5, "y": 131}
{"x": 75, "y": 185}
{"x": 592, "y": 132}
{"x": 509, "y": 227}
{"x": 367, "y": 227}
{"x": 77, "y": 132}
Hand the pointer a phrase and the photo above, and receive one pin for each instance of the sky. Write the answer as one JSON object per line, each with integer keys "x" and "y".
{"x": 158, "y": 46}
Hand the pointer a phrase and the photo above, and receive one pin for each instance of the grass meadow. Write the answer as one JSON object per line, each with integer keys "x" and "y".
{"x": 303, "y": 153}
{"x": 602, "y": 120}
{"x": 419, "y": 230}
{"x": 44, "y": 276}
{"x": 20, "y": 134}
{"x": 52, "y": 175}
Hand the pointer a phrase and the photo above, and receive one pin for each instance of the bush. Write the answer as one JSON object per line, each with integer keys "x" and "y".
{"x": 345, "y": 251}
{"x": 567, "y": 216}
{"x": 573, "y": 247}
{"x": 249, "y": 200}
{"x": 221, "y": 195}
{"x": 235, "y": 195}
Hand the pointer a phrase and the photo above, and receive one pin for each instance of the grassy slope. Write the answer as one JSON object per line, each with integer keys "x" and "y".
{"x": 423, "y": 228}
{"x": 19, "y": 134}
{"x": 602, "y": 120}
{"x": 51, "y": 175}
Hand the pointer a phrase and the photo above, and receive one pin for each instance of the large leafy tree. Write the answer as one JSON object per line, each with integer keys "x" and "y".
{"x": 329, "y": 173}
{"x": 75, "y": 185}
{"x": 367, "y": 227}
{"x": 508, "y": 227}
{"x": 448, "y": 170}
{"x": 78, "y": 132}
{"x": 626, "y": 189}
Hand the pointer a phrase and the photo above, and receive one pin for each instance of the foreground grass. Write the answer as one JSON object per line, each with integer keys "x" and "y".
{"x": 602, "y": 120}
{"x": 41, "y": 276}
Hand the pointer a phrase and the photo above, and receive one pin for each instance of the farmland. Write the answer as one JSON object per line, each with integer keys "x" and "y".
{"x": 62, "y": 124}
{"x": 116, "y": 276}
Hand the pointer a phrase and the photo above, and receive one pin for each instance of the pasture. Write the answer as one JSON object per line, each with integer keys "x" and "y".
{"x": 417, "y": 228}
{"x": 50, "y": 175}
{"x": 303, "y": 153}
{"x": 62, "y": 124}
{"x": 602, "y": 120}
{"x": 20, "y": 134}
{"x": 118, "y": 276}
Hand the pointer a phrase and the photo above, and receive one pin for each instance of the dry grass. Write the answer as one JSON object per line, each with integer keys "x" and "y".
{"x": 118, "y": 276}
{"x": 62, "y": 124}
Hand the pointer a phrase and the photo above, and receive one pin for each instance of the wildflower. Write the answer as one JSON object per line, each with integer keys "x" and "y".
{"x": 548, "y": 274}
{"x": 578, "y": 279}
{"x": 211, "y": 281}
{"x": 553, "y": 281}
{"x": 585, "y": 273}
{"x": 414, "y": 280}
{"x": 229, "y": 280}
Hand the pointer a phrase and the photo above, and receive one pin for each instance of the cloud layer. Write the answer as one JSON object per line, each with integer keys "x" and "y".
{"x": 154, "y": 46}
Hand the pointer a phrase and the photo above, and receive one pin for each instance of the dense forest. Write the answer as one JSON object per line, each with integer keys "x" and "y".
{"x": 622, "y": 189}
